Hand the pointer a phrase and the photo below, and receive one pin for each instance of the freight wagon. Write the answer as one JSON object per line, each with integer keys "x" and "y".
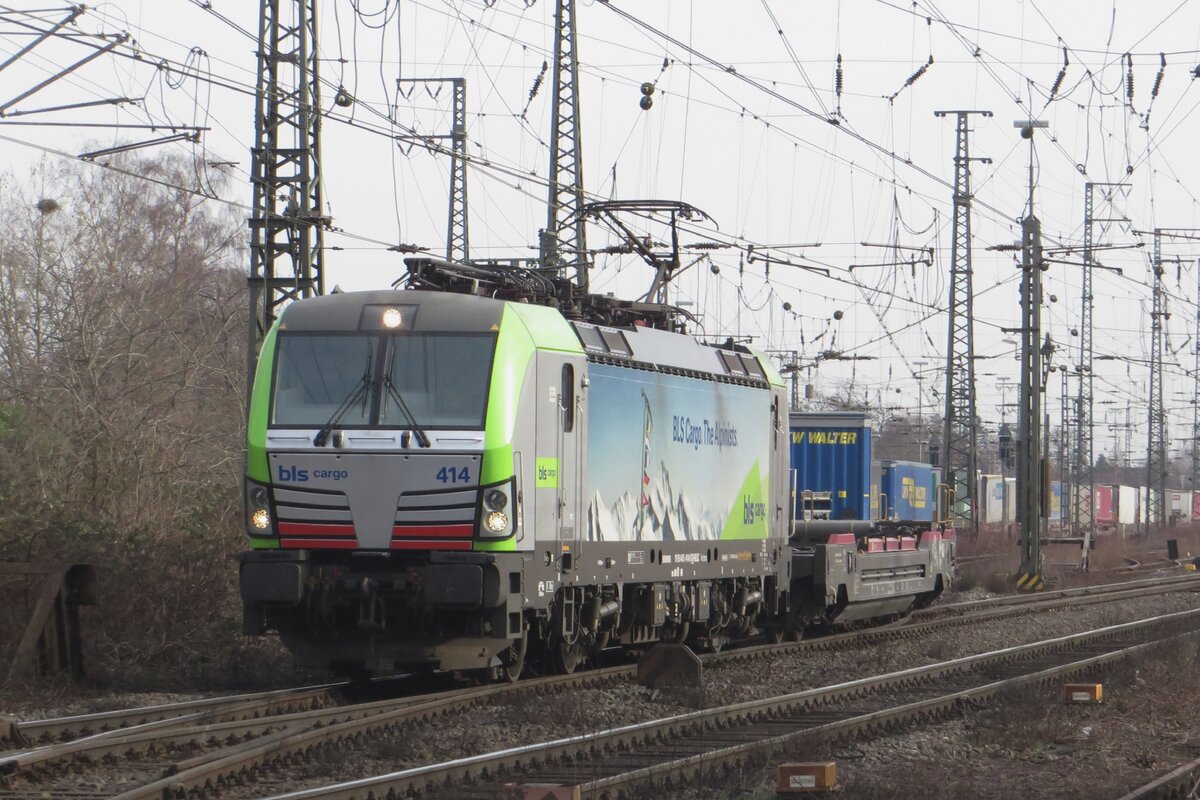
{"x": 836, "y": 478}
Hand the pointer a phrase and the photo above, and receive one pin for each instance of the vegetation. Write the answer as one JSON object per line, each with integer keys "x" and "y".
{"x": 122, "y": 372}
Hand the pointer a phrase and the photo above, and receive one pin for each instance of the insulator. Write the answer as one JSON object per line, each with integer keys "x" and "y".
{"x": 837, "y": 77}
{"x": 537, "y": 83}
{"x": 1062, "y": 73}
{"x": 1129, "y": 77}
{"x": 916, "y": 75}
{"x": 1159, "y": 77}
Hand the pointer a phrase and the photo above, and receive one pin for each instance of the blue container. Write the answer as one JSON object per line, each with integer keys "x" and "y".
{"x": 831, "y": 456}
{"x": 1055, "y": 511}
{"x": 935, "y": 482}
{"x": 909, "y": 490}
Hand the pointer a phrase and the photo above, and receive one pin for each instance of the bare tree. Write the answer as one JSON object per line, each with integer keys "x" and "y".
{"x": 122, "y": 318}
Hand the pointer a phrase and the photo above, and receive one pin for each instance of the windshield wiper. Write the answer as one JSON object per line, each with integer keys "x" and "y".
{"x": 390, "y": 387}
{"x": 359, "y": 392}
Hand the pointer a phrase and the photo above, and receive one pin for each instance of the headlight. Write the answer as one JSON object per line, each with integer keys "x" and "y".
{"x": 258, "y": 510}
{"x": 392, "y": 318}
{"x": 496, "y": 500}
{"x": 496, "y": 522}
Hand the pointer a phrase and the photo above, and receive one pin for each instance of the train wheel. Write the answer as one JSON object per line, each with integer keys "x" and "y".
{"x": 512, "y": 660}
{"x": 677, "y": 634}
{"x": 564, "y": 657}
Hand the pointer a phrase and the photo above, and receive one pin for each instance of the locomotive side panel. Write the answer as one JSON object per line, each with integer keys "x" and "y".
{"x": 676, "y": 459}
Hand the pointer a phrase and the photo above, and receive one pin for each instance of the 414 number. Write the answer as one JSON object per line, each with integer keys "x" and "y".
{"x": 452, "y": 475}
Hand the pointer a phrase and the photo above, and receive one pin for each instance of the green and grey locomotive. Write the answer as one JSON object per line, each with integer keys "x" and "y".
{"x": 441, "y": 480}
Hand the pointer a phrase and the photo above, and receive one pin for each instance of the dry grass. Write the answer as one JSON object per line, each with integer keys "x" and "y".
{"x": 991, "y": 558}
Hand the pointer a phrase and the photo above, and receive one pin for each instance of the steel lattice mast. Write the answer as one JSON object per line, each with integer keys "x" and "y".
{"x": 286, "y": 223}
{"x": 958, "y": 430}
{"x": 457, "y": 242}
{"x": 1156, "y": 448}
{"x": 1196, "y": 386}
{"x": 1083, "y": 474}
{"x": 1083, "y": 457}
{"x": 563, "y": 244}
{"x": 458, "y": 246}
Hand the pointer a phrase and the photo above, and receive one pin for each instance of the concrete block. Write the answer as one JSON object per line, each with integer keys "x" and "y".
{"x": 1083, "y": 693}
{"x": 799, "y": 778}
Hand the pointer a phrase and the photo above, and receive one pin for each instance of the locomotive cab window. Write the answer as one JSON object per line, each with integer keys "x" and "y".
{"x": 442, "y": 379}
{"x": 371, "y": 380}
{"x": 315, "y": 374}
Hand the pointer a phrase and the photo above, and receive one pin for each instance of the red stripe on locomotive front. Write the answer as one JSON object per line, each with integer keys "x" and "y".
{"x": 434, "y": 531}
{"x": 315, "y": 529}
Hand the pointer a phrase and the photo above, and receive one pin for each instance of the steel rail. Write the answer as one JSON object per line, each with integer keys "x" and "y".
{"x": 1180, "y": 783}
{"x": 232, "y": 734}
{"x": 73, "y": 727}
{"x": 206, "y": 772}
{"x": 283, "y": 735}
{"x": 712, "y": 724}
{"x": 879, "y": 722}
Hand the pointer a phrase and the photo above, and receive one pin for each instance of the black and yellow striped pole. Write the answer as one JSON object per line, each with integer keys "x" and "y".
{"x": 1029, "y": 463}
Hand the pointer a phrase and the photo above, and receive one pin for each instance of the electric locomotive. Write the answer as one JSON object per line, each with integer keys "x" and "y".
{"x": 447, "y": 480}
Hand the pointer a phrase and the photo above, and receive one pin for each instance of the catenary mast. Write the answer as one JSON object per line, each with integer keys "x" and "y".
{"x": 563, "y": 243}
{"x": 958, "y": 431}
{"x": 286, "y": 223}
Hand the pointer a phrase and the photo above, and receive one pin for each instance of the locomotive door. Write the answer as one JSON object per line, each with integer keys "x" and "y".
{"x": 558, "y": 455}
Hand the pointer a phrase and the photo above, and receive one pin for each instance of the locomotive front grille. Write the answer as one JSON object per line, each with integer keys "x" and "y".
{"x": 421, "y": 516}
{"x": 310, "y": 518}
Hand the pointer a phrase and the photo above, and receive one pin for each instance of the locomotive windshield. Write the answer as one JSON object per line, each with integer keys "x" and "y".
{"x": 442, "y": 378}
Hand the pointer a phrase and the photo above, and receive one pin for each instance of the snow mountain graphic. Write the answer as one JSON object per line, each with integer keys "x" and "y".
{"x": 663, "y": 515}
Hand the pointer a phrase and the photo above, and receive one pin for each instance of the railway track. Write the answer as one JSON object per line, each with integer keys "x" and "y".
{"x": 1181, "y": 783}
{"x": 197, "y": 747}
{"x": 241, "y": 706}
{"x": 667, "y": 753}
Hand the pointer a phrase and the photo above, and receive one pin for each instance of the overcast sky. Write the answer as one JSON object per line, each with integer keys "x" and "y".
{"x": 739, "y": 128}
